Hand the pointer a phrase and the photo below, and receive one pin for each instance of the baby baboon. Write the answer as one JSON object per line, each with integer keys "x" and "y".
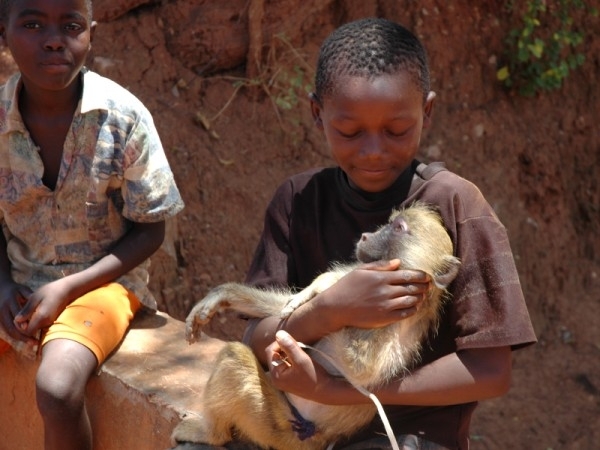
{"x": 239, "y": 400}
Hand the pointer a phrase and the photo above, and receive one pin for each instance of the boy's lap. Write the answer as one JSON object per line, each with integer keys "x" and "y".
{"x": 406, "y": 442}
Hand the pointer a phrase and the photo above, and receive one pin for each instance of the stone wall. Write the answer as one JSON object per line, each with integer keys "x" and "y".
{"x": 136, "y": 400}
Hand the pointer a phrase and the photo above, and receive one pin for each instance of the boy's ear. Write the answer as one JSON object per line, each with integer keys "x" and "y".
{"x": 93, "y": 26}
{"x": 315, "y": 109}
{"x": 428, "y": 109}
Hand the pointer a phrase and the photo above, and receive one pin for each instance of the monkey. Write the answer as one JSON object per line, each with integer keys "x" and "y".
{"x": 239, "y": 400}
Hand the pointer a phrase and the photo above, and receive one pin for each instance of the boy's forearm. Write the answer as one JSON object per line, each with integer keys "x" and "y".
{"x": 133, "y": 249}
{"x": 307, "y": 324}
{"x": 468, "y": 376}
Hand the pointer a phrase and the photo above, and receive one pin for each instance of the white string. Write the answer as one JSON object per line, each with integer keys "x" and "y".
{"x": 366, "y": 393}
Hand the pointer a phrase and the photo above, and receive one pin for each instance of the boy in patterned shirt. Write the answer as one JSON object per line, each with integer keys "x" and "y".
{"x": 85, "y": 189}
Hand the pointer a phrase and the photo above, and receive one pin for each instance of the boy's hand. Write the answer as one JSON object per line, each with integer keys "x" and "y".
{"x": 375, "y": 295}
{"x": 42, "y": 308}
{"x": 292, "y": 370}
{"x": 12, "y": 298}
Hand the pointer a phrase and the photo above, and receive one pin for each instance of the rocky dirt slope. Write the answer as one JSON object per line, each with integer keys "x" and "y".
{"x": 225, "y": 82}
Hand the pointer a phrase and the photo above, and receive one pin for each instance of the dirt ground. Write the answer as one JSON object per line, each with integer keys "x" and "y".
{"x": 227, "y": 87}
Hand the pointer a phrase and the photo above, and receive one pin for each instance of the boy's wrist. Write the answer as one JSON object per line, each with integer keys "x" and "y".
{"x": 319, "y": 316}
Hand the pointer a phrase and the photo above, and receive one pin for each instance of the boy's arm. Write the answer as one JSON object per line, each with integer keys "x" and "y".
{"x": 372, "y": 296}
{"x": 466, "y": 376}
{"x": 10, "y": 297}
{"x": 45, "y": 304}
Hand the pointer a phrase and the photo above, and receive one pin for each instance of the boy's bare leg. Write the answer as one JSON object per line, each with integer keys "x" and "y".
{"x": 60, "y": 389}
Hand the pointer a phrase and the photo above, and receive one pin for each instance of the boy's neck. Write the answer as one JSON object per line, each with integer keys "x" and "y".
{"x": 43, "y": 102}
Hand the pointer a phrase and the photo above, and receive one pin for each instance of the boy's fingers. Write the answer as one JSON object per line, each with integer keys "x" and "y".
{"x": 24, "y": 293}
{"x": 25, "y": 314}
{"x": 393, "y": 264}
{"x": 289, "y": 348}
{"x": 285, "y": 340}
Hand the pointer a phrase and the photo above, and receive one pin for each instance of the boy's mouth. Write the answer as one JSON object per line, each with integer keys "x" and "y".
{"x": 52, "y": 63}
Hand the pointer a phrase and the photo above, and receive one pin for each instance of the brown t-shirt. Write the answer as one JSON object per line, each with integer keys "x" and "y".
{"x": 315, "y": 218}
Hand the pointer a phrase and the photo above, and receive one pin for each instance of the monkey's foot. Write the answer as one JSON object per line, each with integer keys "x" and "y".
{"x": 198, "y": 430}
{"x": 322, "y": 282}
{"x": 295, "y": 301}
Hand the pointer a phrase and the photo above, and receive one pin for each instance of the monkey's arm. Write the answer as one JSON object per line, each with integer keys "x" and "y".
{"x": 467, "y": 376}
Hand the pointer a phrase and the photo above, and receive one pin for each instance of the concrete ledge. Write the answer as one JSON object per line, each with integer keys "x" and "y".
{"x": 139, "y": 396}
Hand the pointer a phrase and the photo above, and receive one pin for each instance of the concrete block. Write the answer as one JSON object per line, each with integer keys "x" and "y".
{"x": 135, "y": 401}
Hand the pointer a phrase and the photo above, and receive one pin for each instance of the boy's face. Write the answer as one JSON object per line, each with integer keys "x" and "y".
{"x": 373, "y": 127}
{"x": 49, "y": 40}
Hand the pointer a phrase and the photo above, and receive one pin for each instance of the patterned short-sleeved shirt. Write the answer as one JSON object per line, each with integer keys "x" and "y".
{"x": 113, "y": 172}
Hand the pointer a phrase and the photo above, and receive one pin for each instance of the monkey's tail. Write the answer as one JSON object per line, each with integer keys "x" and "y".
{"x": 366, "y": 393}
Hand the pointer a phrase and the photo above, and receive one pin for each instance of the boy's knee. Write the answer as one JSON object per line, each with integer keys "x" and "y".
{"x": 59, "y": 387}
{"x": 56, "y": 392}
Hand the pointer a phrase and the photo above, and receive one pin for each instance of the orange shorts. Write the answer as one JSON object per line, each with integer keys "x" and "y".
{"x": 98, "y": 320}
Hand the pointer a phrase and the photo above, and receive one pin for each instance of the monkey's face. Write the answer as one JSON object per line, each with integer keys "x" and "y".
{"x": 414, "y": 235}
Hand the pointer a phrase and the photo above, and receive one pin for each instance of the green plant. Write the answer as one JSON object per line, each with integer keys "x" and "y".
{"x": 290, "y": 87}
{"x": 542, "y": 53}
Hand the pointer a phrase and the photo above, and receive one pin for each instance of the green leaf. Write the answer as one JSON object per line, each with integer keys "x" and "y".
{"x": 503, "y": 73}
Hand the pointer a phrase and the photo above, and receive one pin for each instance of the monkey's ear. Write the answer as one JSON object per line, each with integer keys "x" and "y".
{"x": 448, "y": 273}
{"x": 315, "y": 109}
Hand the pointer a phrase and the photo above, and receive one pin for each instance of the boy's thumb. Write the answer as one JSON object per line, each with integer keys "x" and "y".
{"x": 285, "y": 340}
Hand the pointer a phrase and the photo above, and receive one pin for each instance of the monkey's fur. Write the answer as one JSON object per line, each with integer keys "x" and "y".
{"x": 239, "y": 400}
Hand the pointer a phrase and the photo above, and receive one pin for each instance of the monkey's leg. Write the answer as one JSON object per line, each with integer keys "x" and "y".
{"x": 198, "y": 429}
{"x": 239, "y": 297}
{"x": 240, "y": 397}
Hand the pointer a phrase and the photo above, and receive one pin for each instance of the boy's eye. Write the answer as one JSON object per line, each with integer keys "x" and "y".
{"x": 397, "y": 133}
{"x": 31, "y": 25}
{"x": 348, "y": 134}
{"x": 73, "y": 27}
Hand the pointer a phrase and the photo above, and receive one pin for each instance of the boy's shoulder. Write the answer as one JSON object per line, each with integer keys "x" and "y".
{"x": 438, "y": 175}
{"x": 9, "y": 87}
{"x": 9, "y": 115}
{"x": 450, "y": 192}
{"x": 100, "y": 92}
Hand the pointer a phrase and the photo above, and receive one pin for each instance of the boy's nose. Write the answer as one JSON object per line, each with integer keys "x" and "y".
{"x": 372, "y": 145}
{"x": 53, "y": 41}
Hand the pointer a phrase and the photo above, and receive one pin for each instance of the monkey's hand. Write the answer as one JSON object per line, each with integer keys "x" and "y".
{"x": 223, "y": 297}
{"x": 201, "y": 314}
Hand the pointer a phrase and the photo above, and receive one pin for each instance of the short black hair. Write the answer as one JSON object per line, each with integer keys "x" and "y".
{"x": 6, "y": 4}
{"x": 369, "y": 48}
